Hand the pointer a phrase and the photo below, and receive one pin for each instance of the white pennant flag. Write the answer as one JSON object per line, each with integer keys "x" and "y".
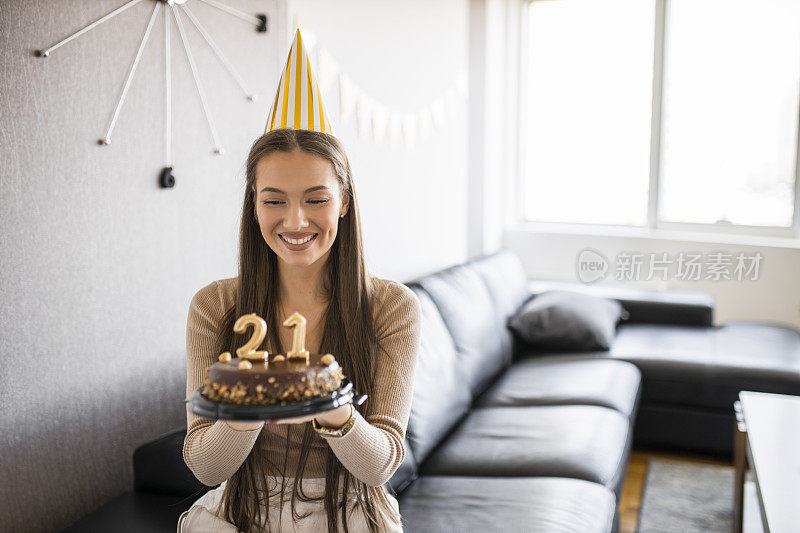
{"x": 309, "y": 38}
{"x": 364, "y": 112}
{"x": 425, "y": 123}
{"x": 395, "y": 128}
{"x": 348, "y": 97}
{"x": 410, "y": 129}
{"x": 327, "y": 69}
{"x": 379, "y": 120}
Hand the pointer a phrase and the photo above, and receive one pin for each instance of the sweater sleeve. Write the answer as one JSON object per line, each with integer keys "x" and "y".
{"x": 212, "y": 450}
{"x": 373, "y": 448}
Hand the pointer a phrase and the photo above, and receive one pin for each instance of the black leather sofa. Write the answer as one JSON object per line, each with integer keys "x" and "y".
{"x": 692, "y": 371}
{"x": 505, "y": 437}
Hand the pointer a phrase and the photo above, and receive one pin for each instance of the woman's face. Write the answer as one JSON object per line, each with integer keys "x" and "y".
{"x": 298, "y": 203}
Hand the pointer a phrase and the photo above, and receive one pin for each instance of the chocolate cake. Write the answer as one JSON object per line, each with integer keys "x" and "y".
{"x": 279, "y": 381}
{"x": 255, "y": 378}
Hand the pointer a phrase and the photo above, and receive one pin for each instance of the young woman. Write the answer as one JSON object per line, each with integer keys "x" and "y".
{"x": 301, "y": 250}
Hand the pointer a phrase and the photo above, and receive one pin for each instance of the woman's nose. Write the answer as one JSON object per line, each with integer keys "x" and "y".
{"x": 296, "y": 218}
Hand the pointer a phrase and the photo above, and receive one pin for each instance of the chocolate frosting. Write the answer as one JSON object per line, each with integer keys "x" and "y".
{"x": 278, "y": 381}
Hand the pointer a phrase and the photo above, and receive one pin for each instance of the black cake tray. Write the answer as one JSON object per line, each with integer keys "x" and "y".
{"x": 202, "y": 406}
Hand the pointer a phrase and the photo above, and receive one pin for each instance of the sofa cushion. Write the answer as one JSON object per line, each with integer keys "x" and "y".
{"x": 134, "y": 512}
{"x": 569, "y": 320}
{"x": 693, "y": 430}
{"x": 506, "y": 280}
{"x": 721, "y": 361}
{"x": 558, "y": 380}
{"x": 158, "y": 467}
{"x": 467, "y": 309}
{"x": 440, "y": 396}
{"x": 541, "y": 504}
{"x": 405, "y": 474}
{"x": 576, "y": 441}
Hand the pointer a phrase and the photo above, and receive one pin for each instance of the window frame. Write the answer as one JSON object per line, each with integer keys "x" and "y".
{"x": 653, "y": 226}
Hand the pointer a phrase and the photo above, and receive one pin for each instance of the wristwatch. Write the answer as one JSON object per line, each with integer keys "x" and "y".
{"x": 335, "y": 432}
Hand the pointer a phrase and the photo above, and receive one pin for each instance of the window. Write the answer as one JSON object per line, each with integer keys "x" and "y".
{"x": 661, "y": 113}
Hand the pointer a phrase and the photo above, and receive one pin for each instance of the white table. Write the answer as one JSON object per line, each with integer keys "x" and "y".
{"x": 768, "y": 438}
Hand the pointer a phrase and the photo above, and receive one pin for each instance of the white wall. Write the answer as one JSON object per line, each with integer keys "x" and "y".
{"x": 413, "y": 201}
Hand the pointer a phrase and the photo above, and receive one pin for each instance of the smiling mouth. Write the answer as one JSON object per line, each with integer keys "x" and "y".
{"x": 303, "y": 240}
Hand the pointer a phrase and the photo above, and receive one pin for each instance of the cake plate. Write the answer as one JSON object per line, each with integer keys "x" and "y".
{"x": 202, "y": 406}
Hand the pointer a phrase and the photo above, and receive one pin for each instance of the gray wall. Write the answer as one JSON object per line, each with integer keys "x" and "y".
{"x": 99, "y": 264}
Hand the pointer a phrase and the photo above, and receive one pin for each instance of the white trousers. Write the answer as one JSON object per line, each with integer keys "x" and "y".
{"x": 204, "y": 515}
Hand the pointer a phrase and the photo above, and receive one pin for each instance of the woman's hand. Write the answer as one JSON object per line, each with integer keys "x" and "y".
{"x": 335, "y": 418}
{"x": 332, "y": 419}
{"x": 294, "y": 420}
{"x": 244, "y": 426}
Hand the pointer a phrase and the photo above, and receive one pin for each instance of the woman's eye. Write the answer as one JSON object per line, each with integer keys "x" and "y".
{"x": 272, "y": 202}
{"x": 317, "y": 201}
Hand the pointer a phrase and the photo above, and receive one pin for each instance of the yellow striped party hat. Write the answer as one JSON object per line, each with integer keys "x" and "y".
{"x": 298, "y": 102}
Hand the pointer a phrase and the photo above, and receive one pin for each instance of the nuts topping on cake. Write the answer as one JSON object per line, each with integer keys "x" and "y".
{"x": 245, "y": 365}
{"x": 278, "y": 358}
{"x": 327, "y": 359}
{"x": 225, "y": 357}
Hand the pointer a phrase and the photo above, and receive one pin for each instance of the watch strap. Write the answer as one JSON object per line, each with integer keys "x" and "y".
{"x": 335, "y": 432}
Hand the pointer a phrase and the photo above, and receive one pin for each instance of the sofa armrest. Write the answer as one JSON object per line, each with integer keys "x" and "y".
{"x": 677, "y": 307}
{"x": 158, "y": 467}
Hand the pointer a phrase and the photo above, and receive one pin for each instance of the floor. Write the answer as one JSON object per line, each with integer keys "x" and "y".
{"x": 634, "y": 483}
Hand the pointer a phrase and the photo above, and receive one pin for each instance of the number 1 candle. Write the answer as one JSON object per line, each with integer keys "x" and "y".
{"x": 298, "y": 350}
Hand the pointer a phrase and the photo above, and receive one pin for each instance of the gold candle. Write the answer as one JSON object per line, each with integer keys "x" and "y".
{"x": 248, "y": 351}
{"x": 298, "y": 350}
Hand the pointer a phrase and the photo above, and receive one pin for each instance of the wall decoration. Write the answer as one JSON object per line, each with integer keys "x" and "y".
{"x": 374, "y": 119}
{"x": 176, "y": 7}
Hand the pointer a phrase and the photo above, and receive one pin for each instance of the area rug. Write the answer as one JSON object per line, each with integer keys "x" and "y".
{"x": 686, "y": 498}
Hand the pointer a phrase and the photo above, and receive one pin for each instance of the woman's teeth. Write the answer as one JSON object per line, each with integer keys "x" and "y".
{"x": 298, "y": 241}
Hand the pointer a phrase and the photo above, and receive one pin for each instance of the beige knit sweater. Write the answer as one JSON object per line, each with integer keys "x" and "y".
{"x": 373, "y": 448}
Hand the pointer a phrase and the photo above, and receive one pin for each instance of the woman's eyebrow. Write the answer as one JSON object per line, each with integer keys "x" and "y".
{"x": 310, "y": 189}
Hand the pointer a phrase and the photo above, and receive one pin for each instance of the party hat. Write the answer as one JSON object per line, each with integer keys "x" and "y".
{"x": 298, "y": 101}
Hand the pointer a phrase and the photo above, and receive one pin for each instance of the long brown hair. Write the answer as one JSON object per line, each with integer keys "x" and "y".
{"x": 348, "y": 334}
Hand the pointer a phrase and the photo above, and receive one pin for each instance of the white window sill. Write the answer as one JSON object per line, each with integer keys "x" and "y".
{"x": 654, "y": 235}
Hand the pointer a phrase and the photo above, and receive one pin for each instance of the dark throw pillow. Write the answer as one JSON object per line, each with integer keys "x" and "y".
{"x": 568, "y": 320}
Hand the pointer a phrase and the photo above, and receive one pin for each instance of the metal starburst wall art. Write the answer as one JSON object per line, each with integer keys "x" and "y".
{"x": 175, "y": 7}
